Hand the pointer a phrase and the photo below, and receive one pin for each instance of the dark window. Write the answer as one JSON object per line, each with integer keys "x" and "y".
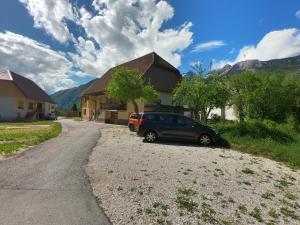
{"x": 150, "y": 117}
{"x": 84, "y": 112}
{"x": 182, "y": 121}
{"x": 30, "y": 105}
{"x": 20, "y": 105}
{"x": 166, "y": 119}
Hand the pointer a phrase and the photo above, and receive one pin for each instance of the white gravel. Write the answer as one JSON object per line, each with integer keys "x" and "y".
{"x": 142, "y": 183}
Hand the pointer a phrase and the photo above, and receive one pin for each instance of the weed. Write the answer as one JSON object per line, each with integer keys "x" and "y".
{"x": 242, "y": 209}
{"x": 289, "y": 213}
{"x": 272, "y": 212}
{"x": 247, "y": 171}
{"x": 246, "y": 183}
{"x": 290, "y": 196}
{"x": 268, "y": 195}
{"x": 256, "y": 213}
{"x": 217, "y": 194}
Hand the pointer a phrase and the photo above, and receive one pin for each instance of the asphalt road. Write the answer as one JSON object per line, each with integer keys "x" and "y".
{"x": 48, "y": 184}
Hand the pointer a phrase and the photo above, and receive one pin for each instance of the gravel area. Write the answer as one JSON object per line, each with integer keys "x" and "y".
{"x": 179, "y": 183}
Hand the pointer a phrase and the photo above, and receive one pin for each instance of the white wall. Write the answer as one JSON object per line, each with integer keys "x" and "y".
{"x": 229, "y": 113}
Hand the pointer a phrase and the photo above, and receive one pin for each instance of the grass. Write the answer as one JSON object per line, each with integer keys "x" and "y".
{"x": 184, "y": 199}
{"x": 256, "y": 213}
{"x": 268, "y": 195}
{"x": 276, "y": 141}
{"x": 17, "y": 135}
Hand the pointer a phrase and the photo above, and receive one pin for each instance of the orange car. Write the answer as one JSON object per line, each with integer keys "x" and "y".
{"x": 133, "y": 121}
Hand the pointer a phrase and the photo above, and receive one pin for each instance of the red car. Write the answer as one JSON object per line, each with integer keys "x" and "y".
{"x": 133, "y": 121}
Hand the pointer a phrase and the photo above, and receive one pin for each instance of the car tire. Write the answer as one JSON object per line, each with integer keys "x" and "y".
{"x": 205, "y": 139}
{"x": 131, "y": 127}
{"x": 150, "y": 136}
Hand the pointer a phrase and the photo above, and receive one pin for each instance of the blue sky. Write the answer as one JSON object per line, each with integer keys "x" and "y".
{"x": 64, "y": 43}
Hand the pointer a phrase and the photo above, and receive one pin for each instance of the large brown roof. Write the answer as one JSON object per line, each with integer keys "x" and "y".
{"x": 26, "y": 86}
{"x": 142, "y": 65}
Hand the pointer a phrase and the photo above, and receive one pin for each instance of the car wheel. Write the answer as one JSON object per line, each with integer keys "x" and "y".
{"x": 150, "y": 136}
{"x": 205, "y": 139}
{"x": 131, "y": 127}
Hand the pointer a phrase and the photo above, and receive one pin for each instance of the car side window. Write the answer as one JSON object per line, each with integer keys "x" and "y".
{"x": 150, "y": 117}
{"x": 165, "y": 119}
{"x": 182, "y": 121}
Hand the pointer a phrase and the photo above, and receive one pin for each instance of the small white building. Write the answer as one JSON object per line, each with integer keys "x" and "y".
{"x": 22, "y": 99}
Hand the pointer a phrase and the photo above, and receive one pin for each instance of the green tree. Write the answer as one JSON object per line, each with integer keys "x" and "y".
{"x": 128, "y": 85}
{"x": 262, "y": 95}
{"x": 202, "y": 95}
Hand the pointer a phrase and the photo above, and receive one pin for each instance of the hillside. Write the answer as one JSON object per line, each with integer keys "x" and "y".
{"x": 288, "y": 66}
{"x": 66, "y": 98}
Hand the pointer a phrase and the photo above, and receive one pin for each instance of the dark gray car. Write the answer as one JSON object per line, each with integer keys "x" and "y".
{"x": 169, "y": 126}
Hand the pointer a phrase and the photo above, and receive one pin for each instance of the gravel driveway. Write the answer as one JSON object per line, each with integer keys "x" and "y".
{"x": 169, "y": 183}
{"x": 47, "y": 185}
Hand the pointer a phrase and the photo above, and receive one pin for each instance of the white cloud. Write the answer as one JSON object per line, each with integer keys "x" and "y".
{"x": 298, "y": 14}
{"x": 36, "y": 61}
{"x": 274, "y": 45}
{"x": 208, "y": 46}
{"x": 128, "y": 29}
{"x": 113, "y": 32}
{"x": 50, "y": 15}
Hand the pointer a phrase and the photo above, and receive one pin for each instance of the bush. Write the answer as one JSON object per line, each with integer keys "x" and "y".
{"x": 266, "y": 138}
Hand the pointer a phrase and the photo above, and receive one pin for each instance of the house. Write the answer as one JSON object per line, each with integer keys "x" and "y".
{"x": 158, "y": 72}
{"x": 22, "y": 99}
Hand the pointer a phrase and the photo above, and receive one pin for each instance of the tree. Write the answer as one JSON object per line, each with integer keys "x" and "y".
{"x": 128, "y": 85}
{"x": 202, "y": 95}
{"x": 74, "y": 108}
{"x": 262, "y": 95}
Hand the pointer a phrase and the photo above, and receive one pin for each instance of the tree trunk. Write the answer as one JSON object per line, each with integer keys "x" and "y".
{"x": 136, "y": 107}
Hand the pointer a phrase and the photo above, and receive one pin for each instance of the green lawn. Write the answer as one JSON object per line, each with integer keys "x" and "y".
{"x": 17, "y": 135}
{"x": 275, "y": 141}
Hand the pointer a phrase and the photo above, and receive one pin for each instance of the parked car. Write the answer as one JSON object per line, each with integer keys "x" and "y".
{"x": 51, "y": 116}
{"x": 168, "y": 126}
{"x": 133, "y": 121}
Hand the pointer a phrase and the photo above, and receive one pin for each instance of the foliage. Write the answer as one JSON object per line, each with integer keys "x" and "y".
{"x": 127, "y": 86}
{"x": 26, "y": 134}
{"x": 264, "y": 96}
{"x": 202, "y": 94}
{"x": 265, "y": 138}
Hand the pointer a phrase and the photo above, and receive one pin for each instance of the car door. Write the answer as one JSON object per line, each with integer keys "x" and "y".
{"x": 185, "y": 129}
{"x": 166, "y": 126}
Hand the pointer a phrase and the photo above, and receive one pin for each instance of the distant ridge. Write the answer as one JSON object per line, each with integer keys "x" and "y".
{"x": 289, "y": 66}
{"x": 66, "y": 98}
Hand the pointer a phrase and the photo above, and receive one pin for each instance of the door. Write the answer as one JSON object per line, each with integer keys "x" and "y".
{"x": 166, "y": 126}
{"x": 185, "y": 129}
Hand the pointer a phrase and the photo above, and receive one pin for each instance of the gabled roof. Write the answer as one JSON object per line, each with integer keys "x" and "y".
{"x": 26, "y": 86}
{"x": 141, "y": 64}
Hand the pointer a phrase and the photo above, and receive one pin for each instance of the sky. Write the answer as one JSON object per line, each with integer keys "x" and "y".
{"x": 64, "y": 43}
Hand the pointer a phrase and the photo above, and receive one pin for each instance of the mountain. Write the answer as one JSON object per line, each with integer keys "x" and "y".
{"x": 66, "y": 98}
{"x": 288, "y": 66}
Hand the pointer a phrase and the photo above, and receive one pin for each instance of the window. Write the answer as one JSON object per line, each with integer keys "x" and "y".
{"x": 20, "y": 105}
{"x": 150, "y": 117}
{"x": 182, "y": 121}
{"x": 166, "y": 119}
{"x": 84, "y": 112}
{"x": 30, "y": 105}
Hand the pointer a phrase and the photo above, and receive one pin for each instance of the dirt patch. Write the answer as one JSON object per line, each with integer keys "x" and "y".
{"x": 173, "y": 183}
